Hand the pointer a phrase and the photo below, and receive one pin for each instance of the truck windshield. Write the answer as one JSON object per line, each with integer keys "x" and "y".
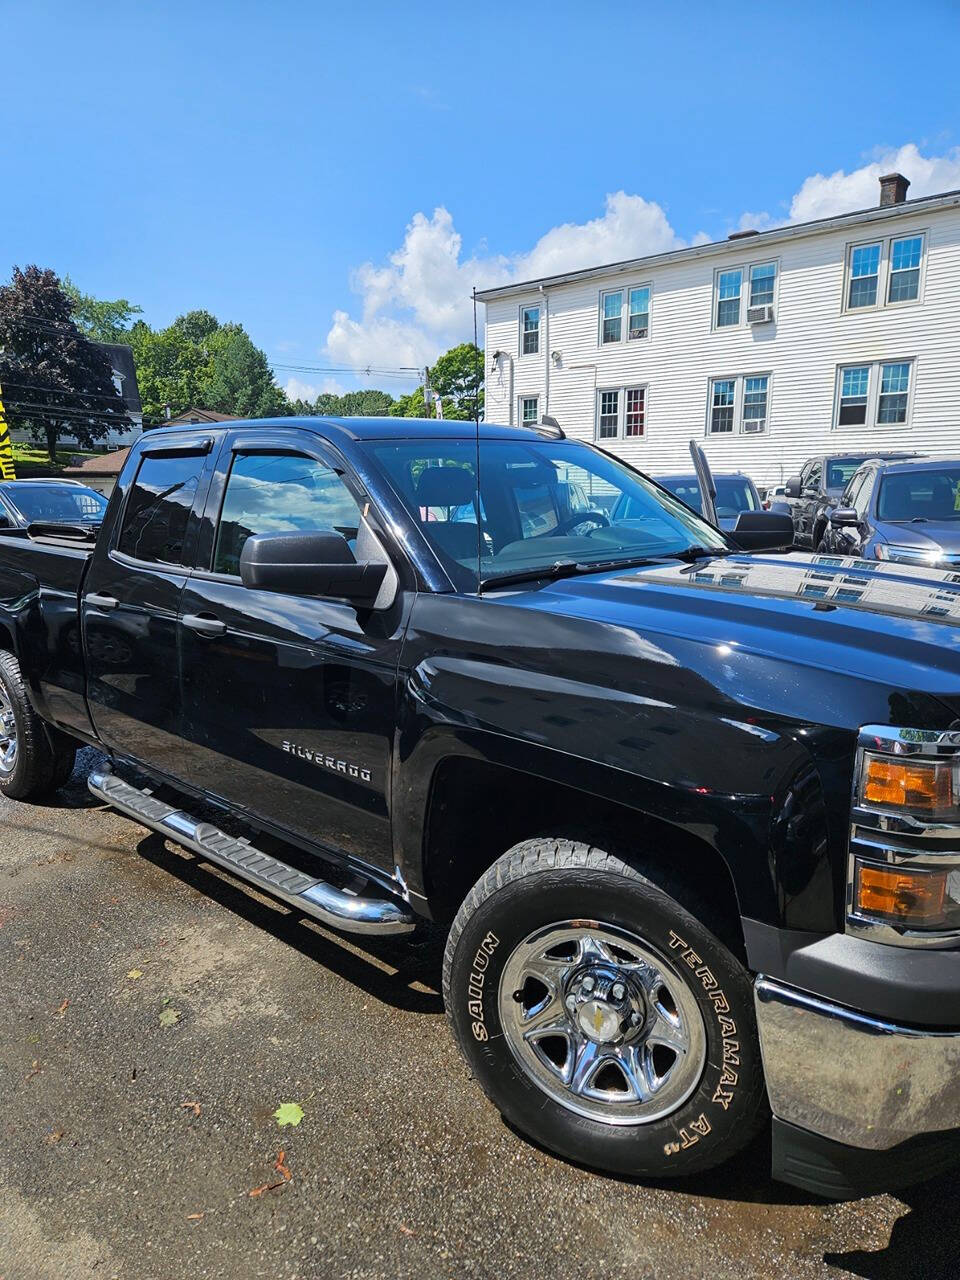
{"x": 543, "y": 505}
{"x": 920, "y": 495}
{"x": 56, "y": 503}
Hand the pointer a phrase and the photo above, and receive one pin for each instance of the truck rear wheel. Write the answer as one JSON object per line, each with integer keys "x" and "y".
{"x": 30, "y": 766}
{"x": 601, "y": 1016}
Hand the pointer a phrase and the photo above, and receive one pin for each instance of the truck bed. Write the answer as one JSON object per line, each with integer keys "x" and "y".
{"x": 40, "y": 581}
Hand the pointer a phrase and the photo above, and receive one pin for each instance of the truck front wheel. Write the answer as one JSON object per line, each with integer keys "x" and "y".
{"x": 601, "y": 1016}
{"x": 30, "y": 766}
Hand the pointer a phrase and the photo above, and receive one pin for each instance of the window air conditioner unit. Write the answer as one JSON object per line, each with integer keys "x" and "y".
{"x": 758, "y": 424}
{"x": 759, "y": 315}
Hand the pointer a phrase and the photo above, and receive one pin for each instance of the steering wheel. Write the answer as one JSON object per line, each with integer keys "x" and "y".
{"x": 581, "y": 517}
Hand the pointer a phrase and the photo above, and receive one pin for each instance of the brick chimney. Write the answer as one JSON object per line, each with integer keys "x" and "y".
{"x": 893, "y": 189}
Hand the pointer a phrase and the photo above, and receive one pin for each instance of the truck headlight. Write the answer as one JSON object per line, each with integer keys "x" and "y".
{"x": 903, "y": 876}
{"x": 909, "y": 555}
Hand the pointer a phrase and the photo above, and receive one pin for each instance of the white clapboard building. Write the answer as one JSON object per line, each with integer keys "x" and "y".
{"x": 771, "y": 346}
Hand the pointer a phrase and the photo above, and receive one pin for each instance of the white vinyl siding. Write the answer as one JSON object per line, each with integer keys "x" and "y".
{"x": 815, "y": 335}
{"x": 876, "y": 394}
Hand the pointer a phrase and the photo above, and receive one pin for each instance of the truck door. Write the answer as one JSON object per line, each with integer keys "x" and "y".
{"x": 131, "y": 599}
{"x": 808, "y": 500}
{"x": 289, "y": 702}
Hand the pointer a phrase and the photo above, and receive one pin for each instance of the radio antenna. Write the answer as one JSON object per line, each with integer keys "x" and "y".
{"x": 476, "y": 407}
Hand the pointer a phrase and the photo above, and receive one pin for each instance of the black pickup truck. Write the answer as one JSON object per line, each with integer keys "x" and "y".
{"x": 691, "y": 815}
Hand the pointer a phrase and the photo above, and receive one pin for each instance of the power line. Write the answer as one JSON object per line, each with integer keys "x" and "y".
{"x": 60, "y": 391}
{"x": 54, "y": 411}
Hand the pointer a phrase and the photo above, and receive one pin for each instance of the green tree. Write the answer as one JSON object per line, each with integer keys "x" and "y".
{"x": 170, "y": 370}
{"x": 98, "y": 319}
{"x": 457, "y": 377}
{"x": 196, "y": 326}
{"x": 237, "y": 377}
{"x": 54, "y": 379}
{"x": 411, "y": 406}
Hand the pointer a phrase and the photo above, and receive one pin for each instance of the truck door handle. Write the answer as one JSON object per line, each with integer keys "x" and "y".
{"x": 101, "y": 602}
{"x": 205, "y": 624}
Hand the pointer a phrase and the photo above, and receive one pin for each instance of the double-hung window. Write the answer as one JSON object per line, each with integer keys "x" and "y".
{"x": 625, "y": 313}
{"x": 864, "y": 275}
{"x": 884, "y": 272}
{"x": 739, "y": 405}
{"x": 529, "y": 331}
{"x": 729, "y": 286}
{"x": 875, "y": 394}
{"x": 738, "y": 292}
{"x": 611, "y": 316}
{"x": 906, "y": 255}
{"x": 638, "y": 312}
{"x": 621, "y": 413}
{"x": 529, "y": 410}
{"x": 763, "y": 281}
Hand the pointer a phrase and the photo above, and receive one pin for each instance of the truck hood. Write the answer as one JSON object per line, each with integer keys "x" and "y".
{"x": 893, "y": 626}
{"x": 933, "y": 536}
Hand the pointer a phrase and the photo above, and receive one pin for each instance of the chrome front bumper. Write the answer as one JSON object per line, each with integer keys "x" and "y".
{"x": 852, "y": 1078}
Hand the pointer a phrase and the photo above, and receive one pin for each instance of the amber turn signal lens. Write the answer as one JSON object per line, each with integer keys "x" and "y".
{"x": 908, "y": 897}
{"x": 902, "y": 785}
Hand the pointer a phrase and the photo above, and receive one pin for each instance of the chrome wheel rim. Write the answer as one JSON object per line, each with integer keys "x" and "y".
{"x": 602, "y": 1023}
{"x": 8, "y": 733}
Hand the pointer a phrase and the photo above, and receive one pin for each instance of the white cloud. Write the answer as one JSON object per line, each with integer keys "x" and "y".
{"x": 297, "y": 390}
{"x": 419, "y": 302}
{"x": 822, "y": 195}
{"x": 826, "y": 195}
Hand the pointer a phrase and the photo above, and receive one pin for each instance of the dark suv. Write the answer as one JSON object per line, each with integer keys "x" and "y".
{"x": 819, "y": 487}
{"x": 908, "y": 512}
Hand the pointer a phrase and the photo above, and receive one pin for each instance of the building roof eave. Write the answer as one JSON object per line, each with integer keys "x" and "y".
{"x": 776, "y": 235}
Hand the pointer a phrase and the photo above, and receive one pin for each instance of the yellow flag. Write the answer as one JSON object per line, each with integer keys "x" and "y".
{"x": 6, "y": 448}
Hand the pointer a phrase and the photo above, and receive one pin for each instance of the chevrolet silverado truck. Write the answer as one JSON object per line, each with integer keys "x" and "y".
{"x": 690, "y": 814}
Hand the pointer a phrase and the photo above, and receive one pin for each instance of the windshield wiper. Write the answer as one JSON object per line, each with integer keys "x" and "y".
{"x": 568, "y": 568}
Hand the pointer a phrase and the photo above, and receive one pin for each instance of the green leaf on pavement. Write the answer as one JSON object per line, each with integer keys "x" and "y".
{"x": 289, "y": 1113}
{"x": 135, "y": 973}
{"x": 168, "y": 1017}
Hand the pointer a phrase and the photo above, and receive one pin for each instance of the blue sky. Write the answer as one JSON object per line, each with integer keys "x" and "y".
{"x": 336, "y": 177}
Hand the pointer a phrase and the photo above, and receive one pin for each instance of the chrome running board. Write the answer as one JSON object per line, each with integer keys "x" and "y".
{"x": 337, "y": 907}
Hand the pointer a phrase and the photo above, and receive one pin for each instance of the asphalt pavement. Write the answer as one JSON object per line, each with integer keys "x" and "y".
{"x": 155, "y": 1015}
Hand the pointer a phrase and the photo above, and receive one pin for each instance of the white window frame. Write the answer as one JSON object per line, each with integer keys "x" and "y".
{"x": 744, "y": 268}
{"x": 739, "y": 381}
{"x": 520, "y": 399}
{"x": 530, "y": 306}
{"x": 874, "y": 380}
{"x": 621, "y": 391}
{"x": 884, "y": 272}
{"x": 624, "y": 290}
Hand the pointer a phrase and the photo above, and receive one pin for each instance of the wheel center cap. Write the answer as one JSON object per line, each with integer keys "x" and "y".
{"x": 599, "y": 1021}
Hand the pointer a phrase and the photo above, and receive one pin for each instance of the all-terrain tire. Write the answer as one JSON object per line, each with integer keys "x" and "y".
{"x": 548, "y": 880}
{"x": 37, "y": 768}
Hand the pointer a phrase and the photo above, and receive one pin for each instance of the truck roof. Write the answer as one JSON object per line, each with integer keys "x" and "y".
{"x": 383, "y": 428}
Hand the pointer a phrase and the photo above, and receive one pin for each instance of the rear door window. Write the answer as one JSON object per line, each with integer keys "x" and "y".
{"x": 158, "y": 507}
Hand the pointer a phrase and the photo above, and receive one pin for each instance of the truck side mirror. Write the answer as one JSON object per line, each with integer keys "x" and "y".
{"x": 319, "y": 563}
{"x": 844, "y": 516}
{"x": 763, "y": 531}
{"x": 792, "y": 487}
